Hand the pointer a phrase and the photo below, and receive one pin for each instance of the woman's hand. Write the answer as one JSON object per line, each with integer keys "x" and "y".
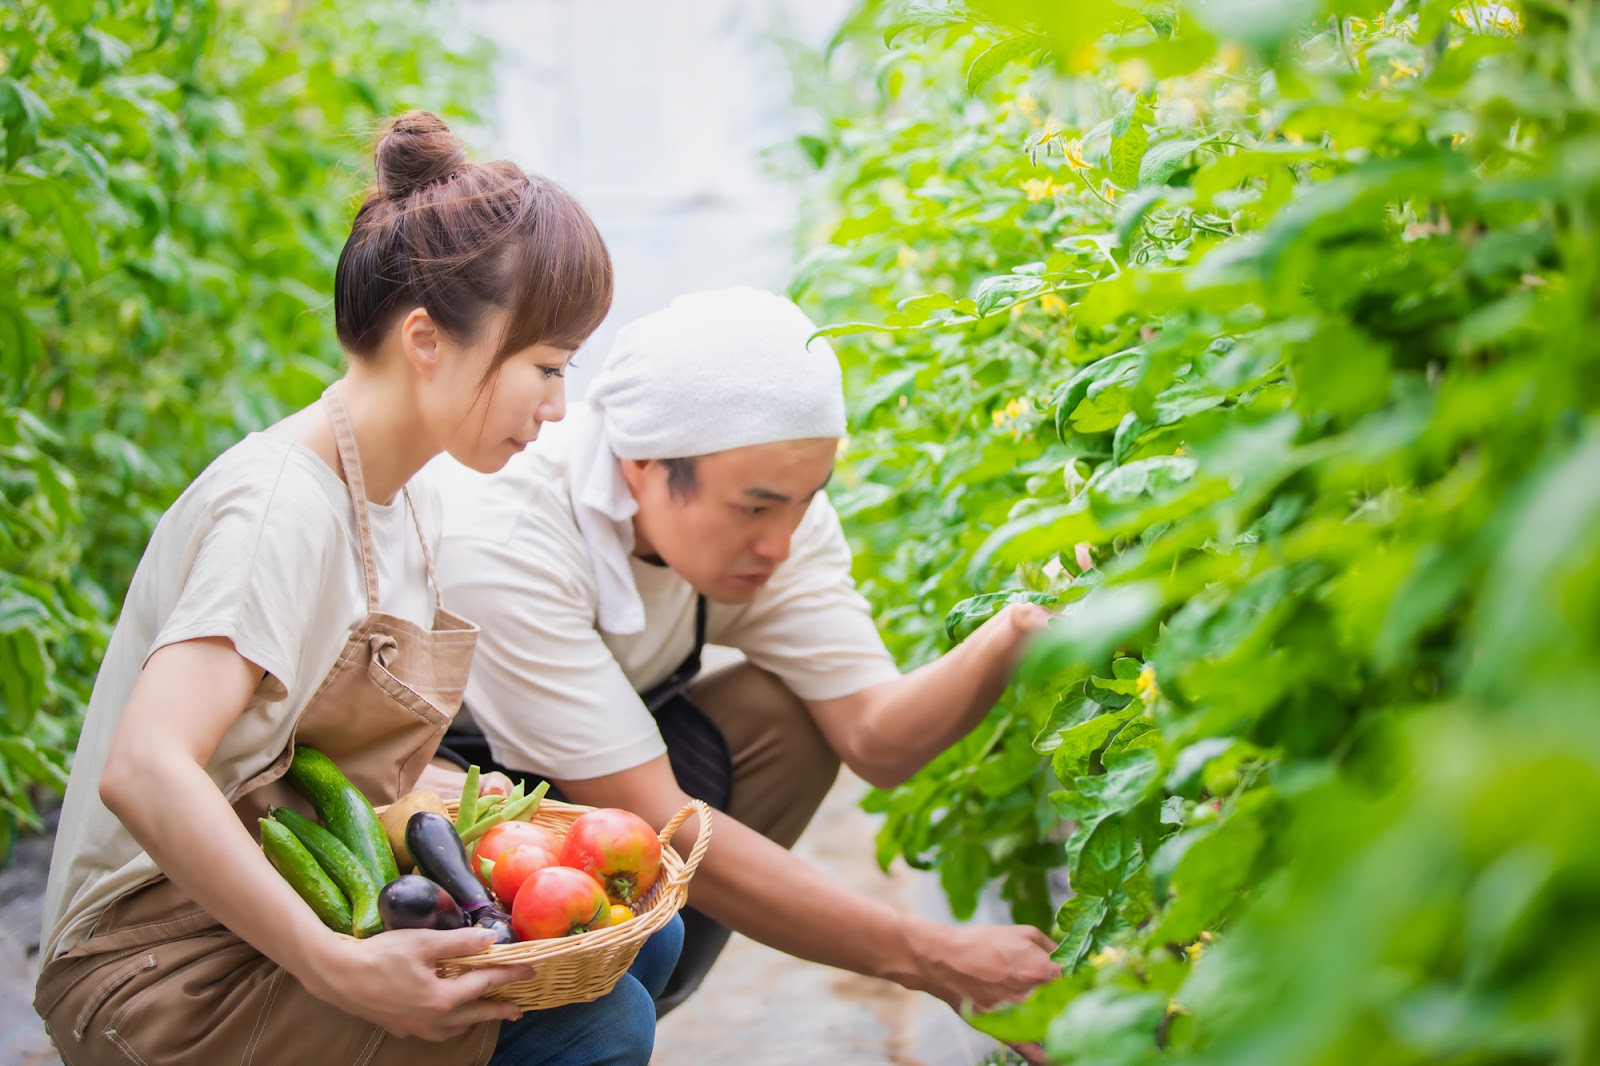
{"x": 391, "y": 981}
{"x": 447, "y": 780}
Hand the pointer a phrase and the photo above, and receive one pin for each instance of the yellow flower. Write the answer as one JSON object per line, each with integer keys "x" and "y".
{"x": 1456, "y": 139}
{"x": 1051, "y": 304}
{"x": 1403, "y": 70}
{"x": 1027, "y": 103}
{"x": 1509, "y": 21}
{"x": 906, "y": 258}
{"x": 1293, "y": 138}
{"x": 1011, "y": 412}
{"x": 1073, "y": 151}
{"x": 1230, "y": 57}
{"x": 1039, "y": 189}
{"x": 1194, "y": 951}
{"x": 1109, "y": 191}
{"x": 1106, "y": 957}
{"x": 1148, "y": 689}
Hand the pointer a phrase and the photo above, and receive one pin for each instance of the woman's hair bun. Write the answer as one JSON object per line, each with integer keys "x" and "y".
{"x": 415, "y": 150}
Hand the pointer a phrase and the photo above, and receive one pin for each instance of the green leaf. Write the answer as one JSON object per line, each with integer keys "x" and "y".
{"x": 1130, "y": 138}
{"x": 996, "y": 57}
{"x": 1107, "y": 1027}
{"x": 1162, "y": 161}
{"x": 1076, "y": 745}
{"x": 1079, "y": 918}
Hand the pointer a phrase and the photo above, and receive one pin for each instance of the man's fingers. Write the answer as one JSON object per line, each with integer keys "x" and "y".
{"x": 1032, "y": 1052}
{"x": 1041, "y": 939}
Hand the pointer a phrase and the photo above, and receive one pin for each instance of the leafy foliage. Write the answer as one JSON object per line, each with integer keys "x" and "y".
{"x": 177, "y": 181}
{"x": 1258, "y": 335}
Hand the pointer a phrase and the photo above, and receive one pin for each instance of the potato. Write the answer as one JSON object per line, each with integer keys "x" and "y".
{"x": 398, "y": 813}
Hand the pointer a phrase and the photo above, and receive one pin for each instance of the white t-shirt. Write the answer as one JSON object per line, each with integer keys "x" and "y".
{"x": 261, "y": 549}
{"x": 553, "y": 693}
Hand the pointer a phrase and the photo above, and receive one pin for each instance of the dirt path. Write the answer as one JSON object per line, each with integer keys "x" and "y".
{"x": 759, "y": 1006}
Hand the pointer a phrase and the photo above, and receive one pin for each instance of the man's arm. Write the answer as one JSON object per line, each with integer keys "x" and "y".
{"x": 764, "y": 891}
{"x": 888, "y": 732}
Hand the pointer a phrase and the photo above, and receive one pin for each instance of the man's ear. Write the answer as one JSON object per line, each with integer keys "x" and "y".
{"x": 419, "y": 340}
{"x": 633, "y": 472}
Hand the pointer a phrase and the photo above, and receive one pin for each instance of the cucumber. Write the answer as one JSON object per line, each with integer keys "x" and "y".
{"x": 339, "y": 863}
{"x": 291, "y": 859}
{"x": 345, "y": 811}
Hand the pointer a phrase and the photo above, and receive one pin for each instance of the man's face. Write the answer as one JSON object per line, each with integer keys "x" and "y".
{"x": 729, "y": 534}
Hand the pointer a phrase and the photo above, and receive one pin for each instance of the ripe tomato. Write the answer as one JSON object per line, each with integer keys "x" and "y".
{"x": 505, "y": 836}
{"x": 620, "y": 914}
{"x": 615, "y": 847}
{"x": 558, "y": 901}
{"x": 514, "y": 866}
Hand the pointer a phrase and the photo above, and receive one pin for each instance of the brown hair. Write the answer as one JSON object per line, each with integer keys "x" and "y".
{"x": 461, "y": 239}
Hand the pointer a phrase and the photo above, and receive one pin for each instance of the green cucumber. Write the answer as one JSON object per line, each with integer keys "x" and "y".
{"x": 339, "y": 863}
{"x": 345, "y": 811}
{"x": 291, "y": 859}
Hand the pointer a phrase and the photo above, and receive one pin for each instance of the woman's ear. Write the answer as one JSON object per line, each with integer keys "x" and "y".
{"x": 419, "y": 340}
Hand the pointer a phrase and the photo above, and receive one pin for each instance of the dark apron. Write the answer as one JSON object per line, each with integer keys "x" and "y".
{"x": 696, "y": 748}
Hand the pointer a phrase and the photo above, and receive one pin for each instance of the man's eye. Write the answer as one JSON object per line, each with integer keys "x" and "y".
{"x": 759, "y": 509}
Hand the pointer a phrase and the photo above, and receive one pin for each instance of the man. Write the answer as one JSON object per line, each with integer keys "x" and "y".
{"x": 686, "y": 506}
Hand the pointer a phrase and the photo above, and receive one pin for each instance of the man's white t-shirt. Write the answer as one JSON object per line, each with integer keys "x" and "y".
{"x": 261, "y": 550}
{"x": 555, "y": 695}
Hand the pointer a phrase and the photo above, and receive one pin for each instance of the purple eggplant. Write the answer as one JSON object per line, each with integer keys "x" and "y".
{"x": 442, "y": 858}
{"x": 498, "y": 923}
{"x": 411, "y": 901}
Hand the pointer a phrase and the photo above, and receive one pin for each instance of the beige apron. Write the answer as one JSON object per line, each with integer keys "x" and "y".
{"x": 161, "y": 982}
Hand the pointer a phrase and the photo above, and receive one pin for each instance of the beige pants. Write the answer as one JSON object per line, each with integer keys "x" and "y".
{"x": 782, "y": 767}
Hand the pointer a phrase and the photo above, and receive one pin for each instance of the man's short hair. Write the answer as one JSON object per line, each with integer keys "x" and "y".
{"x": 682, "y": 481}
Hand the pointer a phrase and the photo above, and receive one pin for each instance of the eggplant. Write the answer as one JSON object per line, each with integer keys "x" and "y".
{"x": 442, "y": 859}
{"x": 497, "y": 922}
{"x": 411, "y": 901}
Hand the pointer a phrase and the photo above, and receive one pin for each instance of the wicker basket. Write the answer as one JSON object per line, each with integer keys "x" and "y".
{"x": 577, "y": 969}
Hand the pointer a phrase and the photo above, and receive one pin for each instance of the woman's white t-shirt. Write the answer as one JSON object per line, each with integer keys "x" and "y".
{"x": 262, "y": 550}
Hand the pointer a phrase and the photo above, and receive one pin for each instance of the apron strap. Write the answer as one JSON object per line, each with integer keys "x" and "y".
{"x": 344, "y": 435}
{"x": 427, "y": 556}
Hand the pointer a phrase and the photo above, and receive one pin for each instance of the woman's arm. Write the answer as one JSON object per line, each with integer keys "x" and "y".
{"x": 187, "y": 697}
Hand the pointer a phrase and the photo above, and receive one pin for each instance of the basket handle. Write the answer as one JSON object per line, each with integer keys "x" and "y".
{"x": 702, "y": 839}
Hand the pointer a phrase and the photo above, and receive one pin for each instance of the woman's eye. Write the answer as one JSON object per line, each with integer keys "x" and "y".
{"x": 553, "y": 372}
{"x": 754, "y": 512}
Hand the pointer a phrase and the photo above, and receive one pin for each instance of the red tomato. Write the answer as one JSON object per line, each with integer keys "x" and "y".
{"x": 493, "y": 788}
{"x": 558, "y": 901}
{"x": 514, "y": 866}
{"x": 507, "y": 835}
{"x": 616, "y": 848}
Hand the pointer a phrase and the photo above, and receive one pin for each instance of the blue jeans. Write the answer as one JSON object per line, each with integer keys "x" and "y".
{"x": 618, "y": 1029}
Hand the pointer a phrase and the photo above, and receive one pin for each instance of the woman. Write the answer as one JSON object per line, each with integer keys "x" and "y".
{"x": 288, "y": 597}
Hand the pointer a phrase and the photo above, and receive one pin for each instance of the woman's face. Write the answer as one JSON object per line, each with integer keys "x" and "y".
{"x": 484, "y": 422}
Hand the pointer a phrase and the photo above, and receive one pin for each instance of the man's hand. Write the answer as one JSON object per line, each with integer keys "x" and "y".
{"x": 1011, "y": 629}
{"x": 986, "y": 966}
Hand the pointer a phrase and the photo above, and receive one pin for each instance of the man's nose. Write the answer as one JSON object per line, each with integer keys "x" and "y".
{"x": 773, "y": 546}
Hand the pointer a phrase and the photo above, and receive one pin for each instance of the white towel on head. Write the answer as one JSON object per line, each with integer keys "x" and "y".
{"x": 713, "y": 371}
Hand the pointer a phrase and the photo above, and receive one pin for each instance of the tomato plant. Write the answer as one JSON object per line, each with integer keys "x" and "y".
{"x": 175, "y": 184}
{"x": 1257, "y": 337}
